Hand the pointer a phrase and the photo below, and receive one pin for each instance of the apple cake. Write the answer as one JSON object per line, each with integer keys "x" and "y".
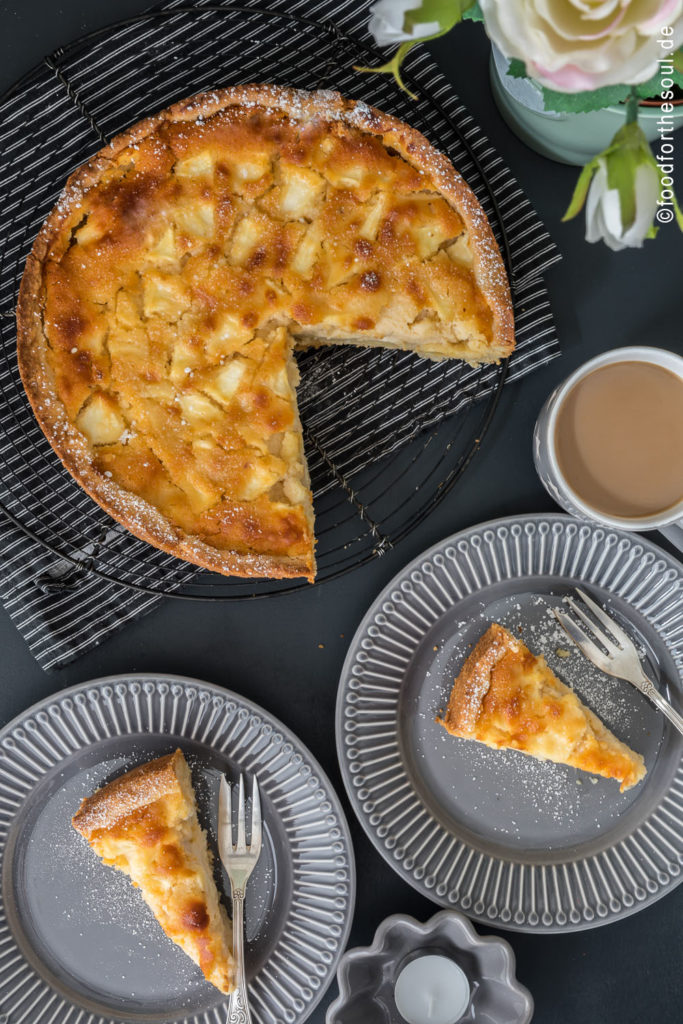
{"x": 507, "y": 697}
{"x": 145, "y": 824}
{"x": 166, "y": 291}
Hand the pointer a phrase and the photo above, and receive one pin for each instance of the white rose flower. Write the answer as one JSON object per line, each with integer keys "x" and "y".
{"x": 577, "y": 45}
{"x": 387, "y": 22}
{"x": 603, "y": 208}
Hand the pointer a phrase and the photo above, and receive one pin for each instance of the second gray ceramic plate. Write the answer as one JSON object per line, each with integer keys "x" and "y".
{"x": 78, "y": 943}
{"x": 507, "y": 839}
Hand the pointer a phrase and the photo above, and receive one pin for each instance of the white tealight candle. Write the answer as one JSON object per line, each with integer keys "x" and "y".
{"x": 432, "y": 990}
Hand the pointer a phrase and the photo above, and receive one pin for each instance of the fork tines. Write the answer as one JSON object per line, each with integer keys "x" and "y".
{"x": 225, "y": 818}
{"x": 586, "y": 631}
{"x": 622, "y": 639}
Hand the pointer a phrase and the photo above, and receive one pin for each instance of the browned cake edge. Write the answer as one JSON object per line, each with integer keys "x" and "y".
{"x": 474, "y": 680}
{"x": 128, "y": 793}
{"x": 136, "y": 514}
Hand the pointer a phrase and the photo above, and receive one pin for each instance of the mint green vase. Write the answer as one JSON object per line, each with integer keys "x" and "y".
{"x": 567, "y": 138}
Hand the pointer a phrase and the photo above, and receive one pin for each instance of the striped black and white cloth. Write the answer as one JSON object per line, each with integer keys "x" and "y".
{"x": 57, "y": 620}
{"x": 91, "y": 94}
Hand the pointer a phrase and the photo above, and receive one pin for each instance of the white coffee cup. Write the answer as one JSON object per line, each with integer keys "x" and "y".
{"x": 670, "y": 521}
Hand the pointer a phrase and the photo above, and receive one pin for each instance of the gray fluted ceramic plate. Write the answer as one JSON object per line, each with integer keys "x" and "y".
{"x": 512, "y": 841}
{"x": 78, "y": 943}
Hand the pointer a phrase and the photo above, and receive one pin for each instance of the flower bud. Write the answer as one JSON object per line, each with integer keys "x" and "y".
{"x": 388, "y": 24}
{"x": 621, "y": 188}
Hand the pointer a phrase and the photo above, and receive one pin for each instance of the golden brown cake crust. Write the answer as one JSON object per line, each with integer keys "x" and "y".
{"x": 145, "y": 824}
{"x": 245, "y": 539}
{"x": 141, "y": 787}
{"x": 507, "y": 697}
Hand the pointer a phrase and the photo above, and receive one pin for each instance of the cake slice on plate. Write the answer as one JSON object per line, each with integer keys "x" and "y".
{"x": 145, "y": 824}
{"x": 507, "y": 697}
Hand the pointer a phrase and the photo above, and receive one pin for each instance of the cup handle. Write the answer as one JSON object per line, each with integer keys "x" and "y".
{"x": 674, "y": 533}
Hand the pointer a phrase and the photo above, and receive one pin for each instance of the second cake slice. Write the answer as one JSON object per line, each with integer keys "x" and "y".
{"x": 507, "y": 697}
{"x": 145, "y": 824}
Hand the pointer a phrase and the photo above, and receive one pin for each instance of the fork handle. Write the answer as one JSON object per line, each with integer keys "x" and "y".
{"x": 238, "y": 1005}
{"x": 646, "y": 686}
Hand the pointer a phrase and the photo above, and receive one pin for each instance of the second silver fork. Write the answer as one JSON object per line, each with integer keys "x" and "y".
{"x": 615, "y": 653}
{"x": 239, "y": 862}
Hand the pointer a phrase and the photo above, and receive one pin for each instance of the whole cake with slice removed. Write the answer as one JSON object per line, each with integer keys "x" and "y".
{"x": 145, "y": 824}
{"x": 507, "y": 697}
{"x": 183, "y": 264}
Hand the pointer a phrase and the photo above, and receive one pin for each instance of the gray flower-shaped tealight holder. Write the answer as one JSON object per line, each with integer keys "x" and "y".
{"x": 367, "y": 975}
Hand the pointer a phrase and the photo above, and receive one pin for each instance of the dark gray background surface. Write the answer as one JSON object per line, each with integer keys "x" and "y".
{"x": 286, "y": 653}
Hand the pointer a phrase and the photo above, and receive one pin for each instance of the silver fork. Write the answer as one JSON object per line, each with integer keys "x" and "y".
{"x": 619, "y": 657}
{"x": 239, "y": 861}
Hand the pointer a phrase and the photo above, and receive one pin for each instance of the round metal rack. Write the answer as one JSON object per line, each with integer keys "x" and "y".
{"x": 387, "y": 434}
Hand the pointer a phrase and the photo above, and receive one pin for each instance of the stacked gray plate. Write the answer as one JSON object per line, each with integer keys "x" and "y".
{"x": 78, "y": 943}
{"x": 507, "y": 839}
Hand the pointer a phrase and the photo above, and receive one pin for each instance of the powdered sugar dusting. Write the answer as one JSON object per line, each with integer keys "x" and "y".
{"x": 93, "y": 926}
{"x": 140, "y": 787}
{"x": 299, "y": 107}
{"x": 496, "y": 794}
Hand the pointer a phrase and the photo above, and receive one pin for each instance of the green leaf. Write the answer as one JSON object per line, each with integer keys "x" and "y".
{"x": 446, "y": 13}
{"x": 473, "y": 13}
{"x": 651, "y": 89}
{"x": 581, "y": 189}
{"x": 582, "y": 102}
{"x": 517, "y": 69}
{"x": 607, "y": 96}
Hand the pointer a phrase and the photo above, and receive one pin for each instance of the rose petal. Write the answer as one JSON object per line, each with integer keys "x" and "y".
{"x": 611, "y": 214}
{"x": 668, "y": 11}
{"x": 598, "y": 187}
{"x": 576, "y": 45}
{"x": 570, "y": 23}
{"x": 597, "y": 12}
{"x": 565, "y": 79}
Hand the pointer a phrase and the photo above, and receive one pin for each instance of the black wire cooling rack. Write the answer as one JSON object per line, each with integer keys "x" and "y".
{"x": 387, "y": 434}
